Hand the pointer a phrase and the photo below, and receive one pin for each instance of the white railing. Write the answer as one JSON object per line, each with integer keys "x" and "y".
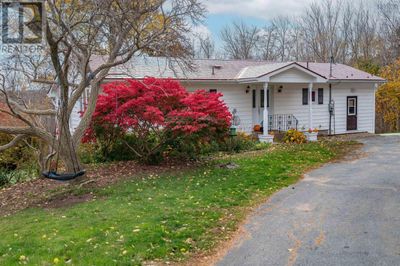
{"x": 282, "y": 122}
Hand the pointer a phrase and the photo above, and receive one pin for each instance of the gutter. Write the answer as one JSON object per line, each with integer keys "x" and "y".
{"x": 357, "y": 80}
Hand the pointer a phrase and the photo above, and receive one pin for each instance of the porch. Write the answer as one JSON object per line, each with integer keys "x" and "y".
{"x": 285, "y": 97}
{"x": 299, "y": 106}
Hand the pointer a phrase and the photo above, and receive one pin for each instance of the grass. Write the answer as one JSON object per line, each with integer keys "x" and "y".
{"x": 165, "y": 218}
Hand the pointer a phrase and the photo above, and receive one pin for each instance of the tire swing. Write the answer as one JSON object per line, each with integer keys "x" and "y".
{"x": 52, "y": 173}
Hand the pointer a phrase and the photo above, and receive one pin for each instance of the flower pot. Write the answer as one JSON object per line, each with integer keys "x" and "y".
{"x": 266, "y": 138}
{"x": 232, "y": 132}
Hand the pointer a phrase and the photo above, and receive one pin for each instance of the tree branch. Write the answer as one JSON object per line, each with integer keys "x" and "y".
{"x": 31, "y": 111}
{"x": 12, "y": 143}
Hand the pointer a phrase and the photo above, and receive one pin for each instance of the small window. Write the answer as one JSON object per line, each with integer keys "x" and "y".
{"x": 313, "y": 96}
{"x": 213, "y": 91}
{"x": 305, "y": 96}
{"x": 254, "y": 98}
{"x": 320, "y": 96}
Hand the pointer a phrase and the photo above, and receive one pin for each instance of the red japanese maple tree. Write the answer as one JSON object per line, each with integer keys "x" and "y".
{"x": 156, "y": 111}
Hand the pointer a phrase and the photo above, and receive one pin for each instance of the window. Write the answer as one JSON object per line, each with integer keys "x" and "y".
{"x": 320, "y": 96}
{"x": 313, "y": 96}
{"x": 254, "y": 98}
{"x": 351, "y": 105}
{"x": 262, "y": 98}
{"x": 305, "y": 96}
{"x": 213, "y": 91}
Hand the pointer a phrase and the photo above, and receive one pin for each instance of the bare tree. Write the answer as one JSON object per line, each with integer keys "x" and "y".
{"x": 206, "y": 47}
{"x": 240, "y": 40}
{"x": 282, "y": 27}
{"x": 390, "y": 28}
{"x": 84, "y": 40}
{"x": 322, "y": 29}
{"x": 267, "y": 43}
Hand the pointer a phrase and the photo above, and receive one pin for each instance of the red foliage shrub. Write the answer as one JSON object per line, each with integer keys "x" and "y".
{"x": 156, "y": 111}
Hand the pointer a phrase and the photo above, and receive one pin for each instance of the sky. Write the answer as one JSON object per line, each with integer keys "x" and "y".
{"x": 253, "y": 12}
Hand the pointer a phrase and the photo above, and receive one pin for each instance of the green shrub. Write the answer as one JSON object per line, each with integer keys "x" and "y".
{"x": 18, "y": 156}
{"x": 10, "y": 177}
{"x": 181, "y": 148}
{"x": 98, "y": 153}
{"x": 241, "y": 142}
{"x": 17, "y": 163}
{"x": 294, "y": 136}
{"x": 190, "y": 148}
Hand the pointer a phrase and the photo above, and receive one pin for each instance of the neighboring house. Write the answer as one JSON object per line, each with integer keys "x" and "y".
{"x": 7, "y": 120}
{"x": 30, "y": 99}
{"x": 302, "y": 95}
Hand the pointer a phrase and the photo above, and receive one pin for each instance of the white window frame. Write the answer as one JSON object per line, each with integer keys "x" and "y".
{"x": 354, "y": 105}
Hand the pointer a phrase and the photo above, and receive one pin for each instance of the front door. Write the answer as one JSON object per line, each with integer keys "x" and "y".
{"x": 352, "y": 113}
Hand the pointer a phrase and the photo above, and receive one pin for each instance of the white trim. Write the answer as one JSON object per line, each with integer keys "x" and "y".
{"x": 316, "y": 78}
{"x": 265, "y": 113}
{"x": 333, "y": 81}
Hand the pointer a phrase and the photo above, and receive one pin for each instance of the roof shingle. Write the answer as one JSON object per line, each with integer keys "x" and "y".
{"x": 140, "y": 67}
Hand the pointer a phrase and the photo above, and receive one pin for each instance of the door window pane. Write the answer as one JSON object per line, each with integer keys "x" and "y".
{"x": 351, "y": 104}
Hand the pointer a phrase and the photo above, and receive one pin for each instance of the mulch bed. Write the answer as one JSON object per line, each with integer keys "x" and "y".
{"x": 45, "y": 193}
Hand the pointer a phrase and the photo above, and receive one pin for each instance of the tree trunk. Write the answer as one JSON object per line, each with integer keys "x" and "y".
{"x": 68, "y": 153}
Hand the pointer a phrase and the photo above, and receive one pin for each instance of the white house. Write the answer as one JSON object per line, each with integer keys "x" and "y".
{"x": 330, "y": 97}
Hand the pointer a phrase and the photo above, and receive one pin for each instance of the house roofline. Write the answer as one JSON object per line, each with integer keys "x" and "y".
{"x": 358, "y": 80}
{"x": 290, "y": 64}
{"x": 252, "y": 80}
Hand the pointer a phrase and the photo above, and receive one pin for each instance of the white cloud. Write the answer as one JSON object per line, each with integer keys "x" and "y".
{"x": 268, "y": 9}
{"x": 262, "y": 9}
{"x": 201, "y": 30}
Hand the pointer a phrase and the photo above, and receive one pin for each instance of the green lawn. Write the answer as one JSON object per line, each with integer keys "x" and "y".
{"x": 157, "y": 218}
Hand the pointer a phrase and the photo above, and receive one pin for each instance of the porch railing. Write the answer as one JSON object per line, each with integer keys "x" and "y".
{"x": 282, "y": 122}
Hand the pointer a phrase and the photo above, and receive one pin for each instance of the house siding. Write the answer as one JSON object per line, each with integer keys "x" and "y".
{"x": 75, "y": 118}
{"x": 291, "y": 75}
{"x": 235, "y": 97}
{"x": 289, "y": 101}
{"x": 365, "y": 93}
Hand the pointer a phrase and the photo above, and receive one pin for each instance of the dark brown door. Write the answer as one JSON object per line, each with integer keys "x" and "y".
{"x": 352, "y": 113}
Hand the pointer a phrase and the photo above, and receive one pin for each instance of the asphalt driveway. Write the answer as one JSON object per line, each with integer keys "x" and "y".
{"x": 345, "y": 213}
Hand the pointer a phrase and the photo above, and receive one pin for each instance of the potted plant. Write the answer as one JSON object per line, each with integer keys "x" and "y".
{"x": 257, "y": 128}
{"x": 312, "y": 134}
